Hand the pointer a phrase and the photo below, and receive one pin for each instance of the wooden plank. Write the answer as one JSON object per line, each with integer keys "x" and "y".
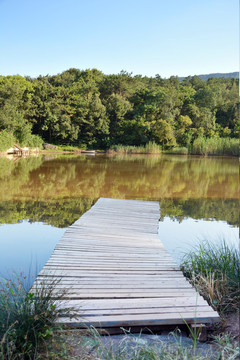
{"x": 143, "y": 311}
{"x": 113, "y": 270}
{"x": 137, "y": 303}
{"x": 143, "y": 319}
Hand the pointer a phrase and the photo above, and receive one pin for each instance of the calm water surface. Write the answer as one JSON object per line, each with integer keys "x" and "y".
{"x": 41, "y": 196}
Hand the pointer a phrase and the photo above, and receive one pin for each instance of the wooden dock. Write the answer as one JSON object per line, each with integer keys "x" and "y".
{"x": 116, "y": 272}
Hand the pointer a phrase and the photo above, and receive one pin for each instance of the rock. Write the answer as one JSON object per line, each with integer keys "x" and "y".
{"x": 49, "y": 146}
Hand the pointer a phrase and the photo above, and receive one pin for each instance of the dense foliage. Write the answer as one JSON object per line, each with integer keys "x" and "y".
{"x": 88, "y": 107}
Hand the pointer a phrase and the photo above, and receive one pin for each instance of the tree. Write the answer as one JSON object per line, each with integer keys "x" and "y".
{"x": 162, "y": 133}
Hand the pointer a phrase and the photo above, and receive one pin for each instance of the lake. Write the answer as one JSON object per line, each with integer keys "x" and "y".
{"x": 41, "y": 196}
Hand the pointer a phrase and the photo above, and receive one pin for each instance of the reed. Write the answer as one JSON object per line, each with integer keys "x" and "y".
{"x": 149, "y": 148}
{"x": 215, "y": 146}
{"x": 177, "y": 150}
{"x": 152, "y": 148}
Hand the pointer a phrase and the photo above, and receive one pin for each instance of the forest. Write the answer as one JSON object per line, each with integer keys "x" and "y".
{"x": 87, "y": 108}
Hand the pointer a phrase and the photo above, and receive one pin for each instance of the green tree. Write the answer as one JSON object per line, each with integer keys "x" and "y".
{"x": 163, "y": 133}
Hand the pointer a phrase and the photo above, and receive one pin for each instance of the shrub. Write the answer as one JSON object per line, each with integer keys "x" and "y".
{"x": 7, "y": 140}
{"x": 33, "y": 141}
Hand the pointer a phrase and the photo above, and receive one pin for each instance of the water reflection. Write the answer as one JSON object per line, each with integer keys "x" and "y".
{"x": 132, "y": 177}
{"x": 40, "y": 194}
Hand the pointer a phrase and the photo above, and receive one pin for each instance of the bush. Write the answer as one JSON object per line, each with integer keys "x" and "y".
{"x": 33, "y": 141}
{"x": 7, "y": 140}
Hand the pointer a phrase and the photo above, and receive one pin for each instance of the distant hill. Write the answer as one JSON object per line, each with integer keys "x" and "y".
{"x": 234, "y": 75}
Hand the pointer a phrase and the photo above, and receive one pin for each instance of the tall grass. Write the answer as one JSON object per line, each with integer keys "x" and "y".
{"x": 214, "y": 269}
{"x": 215, "y": 146}
{"x": 27, "y": 319}
{"x": 152, "y": 148}
{"x": 177, "y": 150}
{"x": 149, "y": 148}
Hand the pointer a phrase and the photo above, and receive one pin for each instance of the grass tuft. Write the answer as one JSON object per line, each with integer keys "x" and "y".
{"x": 27, "y": 319}
{"x": 214, "y": 269}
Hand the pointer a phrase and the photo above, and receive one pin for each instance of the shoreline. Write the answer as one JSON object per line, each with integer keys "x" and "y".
{"x": 109, "y": 152}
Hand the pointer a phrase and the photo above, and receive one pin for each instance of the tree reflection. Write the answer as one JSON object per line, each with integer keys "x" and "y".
{"x": 58, "y": 190}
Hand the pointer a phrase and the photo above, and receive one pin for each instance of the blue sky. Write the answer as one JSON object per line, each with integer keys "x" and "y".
{"x": 147, "y": 37}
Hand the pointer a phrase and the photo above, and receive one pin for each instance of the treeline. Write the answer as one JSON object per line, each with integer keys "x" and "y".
{"x": 90, "y": 108}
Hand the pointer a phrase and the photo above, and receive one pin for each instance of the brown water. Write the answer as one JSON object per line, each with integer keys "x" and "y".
{"x": 40, "y": 191}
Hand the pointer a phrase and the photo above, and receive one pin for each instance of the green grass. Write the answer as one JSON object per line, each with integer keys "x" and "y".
{"x": 215, "y": 146}
{"x": 214, "y": 269}
{"x": 178, "y": 150}
{"x": 27, "y": 319}
{"x": 71, "y": 148}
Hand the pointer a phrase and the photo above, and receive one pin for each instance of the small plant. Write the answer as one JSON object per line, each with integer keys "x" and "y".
{"x": 214, "y": 269}
{"x": 227, "y": 348}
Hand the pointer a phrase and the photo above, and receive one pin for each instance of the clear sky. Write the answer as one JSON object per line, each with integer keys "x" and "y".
{"x": 147, "y": 37}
